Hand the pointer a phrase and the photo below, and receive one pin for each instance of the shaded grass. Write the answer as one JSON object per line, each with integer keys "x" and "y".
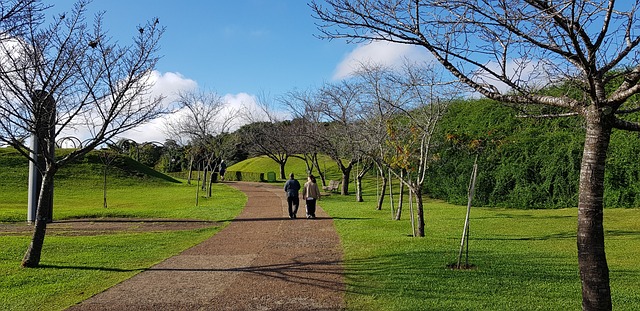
{"x": 525, "y": 259}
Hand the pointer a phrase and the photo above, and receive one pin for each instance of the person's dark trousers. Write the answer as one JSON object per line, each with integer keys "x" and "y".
{"x": 311, "y": 208}
{"x": 293, "y": 203}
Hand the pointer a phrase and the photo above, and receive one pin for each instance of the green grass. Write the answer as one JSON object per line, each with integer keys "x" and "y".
{"x": 525, "y": 259}
{"x": 74, "y": 268}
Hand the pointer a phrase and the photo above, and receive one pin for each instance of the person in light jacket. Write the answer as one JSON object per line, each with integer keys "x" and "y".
{"x": 310, "y": 194}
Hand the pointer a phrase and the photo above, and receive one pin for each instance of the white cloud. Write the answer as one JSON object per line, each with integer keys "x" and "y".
{"x": 167, "y": 84}
{"x": 239, "y": 103}
{"x": 250, "y": 110}
{"x": 380, "y": 52}
{"x": 527, "y": 73}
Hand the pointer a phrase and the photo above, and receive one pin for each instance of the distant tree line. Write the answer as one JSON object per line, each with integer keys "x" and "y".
{"x": 523, "y": 162}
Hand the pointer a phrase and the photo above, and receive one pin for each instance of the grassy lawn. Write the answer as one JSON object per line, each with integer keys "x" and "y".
{"x": 74, "y": 268}
{"x": 525, "y": 259}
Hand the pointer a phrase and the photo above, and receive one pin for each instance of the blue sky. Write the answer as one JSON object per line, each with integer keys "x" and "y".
{"x": 231, "y": 46}
{"x": 239, "y": 49}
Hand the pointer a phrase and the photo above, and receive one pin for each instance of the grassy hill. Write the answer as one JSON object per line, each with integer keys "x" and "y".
{"x": 123, "y": 171}
{"x": 78, "y": 186}
{"x": 264, "y": 164}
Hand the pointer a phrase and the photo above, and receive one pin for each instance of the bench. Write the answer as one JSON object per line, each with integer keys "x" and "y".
{"x": 333, "y": 186}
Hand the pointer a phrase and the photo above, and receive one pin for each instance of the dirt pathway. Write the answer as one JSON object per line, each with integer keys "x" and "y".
{"x": 262, "y": 261}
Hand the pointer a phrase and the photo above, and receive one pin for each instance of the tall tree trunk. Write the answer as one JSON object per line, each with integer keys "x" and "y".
{"x": 104, "y": 187}
{"x": 320, "y": 172}
{"x": 190, "y": 170}
{"x": 31, "y": 258}
{"x": 359, "y": 189}
{"x": 345, "y": 181}
{"x": 420, "y": 210}
{"x": 594, "y": 272}
{"x": 283, "y": 174}
{"x": 383, "y": 191}
{"x": 401, "y": 197}
{"x": 210, "y": 186}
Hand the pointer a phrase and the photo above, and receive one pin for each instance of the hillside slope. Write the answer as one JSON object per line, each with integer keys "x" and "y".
{"x": 122, "y": 171}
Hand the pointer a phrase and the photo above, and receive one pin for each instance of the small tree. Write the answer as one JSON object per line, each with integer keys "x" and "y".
{"x": 202, "y": 119}
{"x": 107, "y": 157}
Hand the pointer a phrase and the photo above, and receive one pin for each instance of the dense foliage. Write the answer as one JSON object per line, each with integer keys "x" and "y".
{"x": 524, "y": 162}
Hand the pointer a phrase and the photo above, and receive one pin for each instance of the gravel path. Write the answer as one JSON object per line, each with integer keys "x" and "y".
{"x": 262, "y": 261}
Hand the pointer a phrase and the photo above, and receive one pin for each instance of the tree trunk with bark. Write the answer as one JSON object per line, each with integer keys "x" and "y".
{"x": 31, "y": 258}
{"x": 283, "y": 174}
{"x": 594, "y": 272}
{"x": 420, "y": 210}
{"x": 359, "y": 189}
{"x": 401, "y": 197}
{"x": 383, "y": 191}
{"x": 190, "y": 170}
{"x": 104, "y": 187}
{"x": 344, "y": 187}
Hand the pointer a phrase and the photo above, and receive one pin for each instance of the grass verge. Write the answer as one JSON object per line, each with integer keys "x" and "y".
{"x": 524, "y": 259}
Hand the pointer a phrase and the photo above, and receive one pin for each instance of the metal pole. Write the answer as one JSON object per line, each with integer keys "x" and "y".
{"x": 35, "y": 180}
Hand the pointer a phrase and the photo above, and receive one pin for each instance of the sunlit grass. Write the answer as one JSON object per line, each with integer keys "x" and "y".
{"x": 74, "y": 268}
{"x": 524, "y": 259}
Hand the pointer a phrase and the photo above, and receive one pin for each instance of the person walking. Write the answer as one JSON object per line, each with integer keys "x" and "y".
{"x": 223, "y": 169}
{"x": 311, "y": 194}
{"x": 291, "y": 187}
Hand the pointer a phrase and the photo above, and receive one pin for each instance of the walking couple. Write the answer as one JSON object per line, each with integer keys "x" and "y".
{"x": 310, "y": 194}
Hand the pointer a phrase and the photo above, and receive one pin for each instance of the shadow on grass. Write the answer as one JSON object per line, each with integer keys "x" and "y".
{"x": 555, "y": 236}
{"x": 424, "y": 277}
{"x": 524, "y": 216}
{"x": 61, "y": 267}
{"x": 620, "y": 233}
{"x": 133, "y": 220}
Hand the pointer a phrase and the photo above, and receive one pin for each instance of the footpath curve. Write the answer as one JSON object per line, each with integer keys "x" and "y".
{"x": 261, "y": 261}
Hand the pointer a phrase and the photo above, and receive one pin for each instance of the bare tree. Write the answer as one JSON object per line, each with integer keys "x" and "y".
{"x": 71, "y": 75}
{"x": 271, "y": 139}
{"x": 17, "y": 15}
{"x": 517, "y": 46}
{"x": 202, "y": 119}
{"x": 107, "y": 157}
{"x": 339, "y": 107}
{"x": 382, "y": 99}
{"x": 269, "y": 134}
{"x": 308, "y": 143}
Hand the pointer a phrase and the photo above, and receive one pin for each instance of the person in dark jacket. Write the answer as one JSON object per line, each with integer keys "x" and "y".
{"x": 223, "y": 169}
{"x": 291, "y": 187}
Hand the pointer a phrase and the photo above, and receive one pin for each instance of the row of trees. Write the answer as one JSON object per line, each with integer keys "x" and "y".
{"x": 70, "y": 74}
{"x": 380, "y": 118}
{"x": 505, "y": 50}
